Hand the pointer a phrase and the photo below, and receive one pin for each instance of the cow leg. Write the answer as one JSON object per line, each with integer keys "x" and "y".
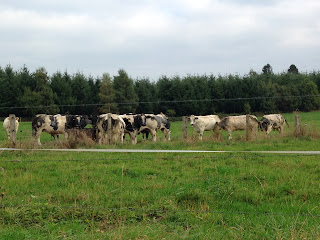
{"x": 168, "y": 134}
{"x": 154, "y": 135}
{"x": 122, "y": 137}
{"x": 99, "y": 137}
{"x": 66, "y": 135}
{"x": 216, "y": 133}
{"x": 37, "y": 138}
{"x": 230, "y": 134}
{"x": 269, "y": 129}
{"x": 8, "y": 133}
{"x": 133, "y": 137}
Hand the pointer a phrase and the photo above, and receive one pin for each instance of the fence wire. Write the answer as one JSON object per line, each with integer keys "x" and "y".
{"x": 132, "y": 209}
{"x": 234, "y": 156}
{"x": 166, "y": 101}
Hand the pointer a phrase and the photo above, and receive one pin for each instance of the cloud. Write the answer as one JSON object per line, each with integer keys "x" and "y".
{"x": 151, "y": 38}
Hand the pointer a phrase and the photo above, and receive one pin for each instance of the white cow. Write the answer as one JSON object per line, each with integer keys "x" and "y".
{"x": 272, "y": 121}
{"x": 6, "y": 125}
{"x": 117, "y": 127}
{"x": 204, "y": 123}
{"x": 234, "y": 123}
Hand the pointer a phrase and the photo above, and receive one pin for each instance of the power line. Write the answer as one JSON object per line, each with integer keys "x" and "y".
{"x": 162, "y": 101}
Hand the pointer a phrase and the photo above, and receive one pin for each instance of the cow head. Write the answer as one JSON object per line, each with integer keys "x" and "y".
{"x": 192, "y": 118}
{"x": 72, "y": 121}
{"x": 84, "y": 121}
{"x": 263, "y": 124}
{"x": 139, "y": 121}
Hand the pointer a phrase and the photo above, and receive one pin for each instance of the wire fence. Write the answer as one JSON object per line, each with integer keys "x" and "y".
{"x": 165, "y": 101}
{"x": 132, "y": 209}
{"x": 221, "y": 156}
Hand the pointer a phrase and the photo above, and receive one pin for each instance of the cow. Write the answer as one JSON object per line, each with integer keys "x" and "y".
{"x": 272, "y": 122}
{"x": 117, "y": 127}
{"x": 204, "y": 123}
{"x": 155, "y": 123}
{"x": 133, "y": 123}
{"x": 6, "y": 125}
{"x": 151, "y": 126}
{"x": 234, "y": 123}
{"x": 56, "y": 124}
{"x": 164, "y": 125}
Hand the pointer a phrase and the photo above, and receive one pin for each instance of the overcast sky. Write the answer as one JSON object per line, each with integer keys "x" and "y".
{"x": 151, "y": 38}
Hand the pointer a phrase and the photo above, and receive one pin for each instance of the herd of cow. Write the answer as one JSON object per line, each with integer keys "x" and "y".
{"x": 115, "y": 127}
{"x": 232, "y": 123}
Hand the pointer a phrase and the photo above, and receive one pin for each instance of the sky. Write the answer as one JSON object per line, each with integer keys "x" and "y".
{"x": 152, "y": 38}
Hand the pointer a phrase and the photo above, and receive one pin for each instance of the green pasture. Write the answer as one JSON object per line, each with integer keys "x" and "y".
{"x": 78, "y": 195}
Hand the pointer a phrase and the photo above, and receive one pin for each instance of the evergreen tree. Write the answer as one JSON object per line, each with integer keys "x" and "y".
{"x": 107, "y": 95}
{"x": 125, "y": 95}
{"x": 41, "y": 99}
{"x": 293, "y": 69}
{"x": 81, "y": 93}
{"x": 267, "y": 69}
{"x": 146, "y": 92}
{"x": 62, "y": 89}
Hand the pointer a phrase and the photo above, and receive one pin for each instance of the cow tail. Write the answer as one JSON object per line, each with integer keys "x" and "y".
{"x": 286, "y": 122}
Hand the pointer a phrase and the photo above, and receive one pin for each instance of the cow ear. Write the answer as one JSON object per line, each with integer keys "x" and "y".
{"x": 196, "y": 118}
{"x": 17, "y": 118}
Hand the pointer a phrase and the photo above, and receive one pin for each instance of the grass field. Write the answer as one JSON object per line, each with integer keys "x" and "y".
{"x": 59, "y": 195}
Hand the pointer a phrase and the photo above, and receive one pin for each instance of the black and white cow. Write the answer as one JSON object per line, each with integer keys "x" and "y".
{"x": 164, "y": 125}
{"x": 154, "y": 123}
{"x": 272, "y": 122}
{"x": 57, "y": 124}
{"x": 117, "y": 127}
{"x": 133, "y": 123}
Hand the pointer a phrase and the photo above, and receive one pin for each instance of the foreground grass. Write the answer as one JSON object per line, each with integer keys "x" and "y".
{"x": 134, "y": 195}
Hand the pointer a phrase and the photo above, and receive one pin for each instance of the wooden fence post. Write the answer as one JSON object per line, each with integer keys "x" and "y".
{"x": 185, "y": 127}
{"x": 247, "y": 127}
{"x": 109, "y": 129}
{"x": 298, "y": 129}
{"x": 13, "y": 130}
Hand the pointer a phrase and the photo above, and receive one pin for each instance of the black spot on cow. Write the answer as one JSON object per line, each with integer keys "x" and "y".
{"x": 37, "y": 123}
{"x": 53, "y": 122}
{"x": 105, "y": 124}
{"x": 129, "y": 127}
{"x": 263, "y": 124}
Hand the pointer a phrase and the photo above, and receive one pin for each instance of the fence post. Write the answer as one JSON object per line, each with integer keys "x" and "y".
{"x": 185, "y": 127}
{"x": 298, "y": 129}
{"x": 109, "y": 129}
{"x": 247, "y": 127}
{"x": 13, "y": 130}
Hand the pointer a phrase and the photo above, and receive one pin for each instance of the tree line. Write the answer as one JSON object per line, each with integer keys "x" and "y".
{"x": 28, "y": 93}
